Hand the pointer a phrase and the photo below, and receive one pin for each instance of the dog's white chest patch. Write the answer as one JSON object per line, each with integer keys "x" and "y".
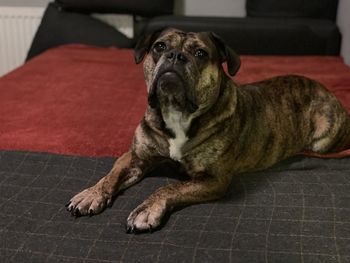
{"x": 179, "y": 125}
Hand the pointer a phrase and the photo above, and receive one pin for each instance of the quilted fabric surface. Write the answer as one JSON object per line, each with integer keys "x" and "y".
{"x": 297, "y": 211}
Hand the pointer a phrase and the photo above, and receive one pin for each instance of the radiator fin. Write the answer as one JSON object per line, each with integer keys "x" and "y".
{"x": 17, "y": 29}
{"x": 19, "y": 24}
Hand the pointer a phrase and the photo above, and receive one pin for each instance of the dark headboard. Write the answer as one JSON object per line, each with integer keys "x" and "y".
{"x": 145, "y": 8}
{"x": 68, "y": 21}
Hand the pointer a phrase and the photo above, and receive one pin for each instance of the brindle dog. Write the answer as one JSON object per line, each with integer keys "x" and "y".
{"x": 213, "y": 127}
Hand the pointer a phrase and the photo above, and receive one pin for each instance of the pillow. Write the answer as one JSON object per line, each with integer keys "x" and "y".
{"x": 326, "y": 9}
{"x": 136, "y": 7}
{"x": 59, "y": 27}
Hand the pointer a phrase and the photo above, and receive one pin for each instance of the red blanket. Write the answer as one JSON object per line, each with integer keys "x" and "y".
{"x": 87, "y": 101}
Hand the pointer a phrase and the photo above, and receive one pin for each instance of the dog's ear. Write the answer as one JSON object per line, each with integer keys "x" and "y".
{"x": 144, "y": 44}
{"x": 226, "y": 54}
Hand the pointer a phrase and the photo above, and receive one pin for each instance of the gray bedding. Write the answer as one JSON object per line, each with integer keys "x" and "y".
{"x": 297, "y": 211}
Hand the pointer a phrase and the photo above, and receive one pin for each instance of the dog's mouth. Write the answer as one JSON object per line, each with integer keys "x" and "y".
{"x": 169, "y": 88}
{"x": 170, "y": 81}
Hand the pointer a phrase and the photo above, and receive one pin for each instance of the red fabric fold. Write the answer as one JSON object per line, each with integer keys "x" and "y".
{"x": 88, "y": 101}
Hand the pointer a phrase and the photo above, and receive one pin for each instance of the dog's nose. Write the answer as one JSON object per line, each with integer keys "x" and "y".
{"x": 176, "y": 56}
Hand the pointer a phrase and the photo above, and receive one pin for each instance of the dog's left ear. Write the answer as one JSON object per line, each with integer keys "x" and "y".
{"x": 144, "y": 44}
{"x": 226, "y": 54}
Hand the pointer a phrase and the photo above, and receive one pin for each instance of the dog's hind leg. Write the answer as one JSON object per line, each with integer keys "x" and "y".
{"x": 331, "y": 133}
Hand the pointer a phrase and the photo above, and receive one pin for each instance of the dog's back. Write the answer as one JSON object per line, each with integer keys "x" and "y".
{"x": 309, "y": 110}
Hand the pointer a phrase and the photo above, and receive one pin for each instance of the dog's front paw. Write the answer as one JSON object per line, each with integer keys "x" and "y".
{"x": 146, "y": 217}
{"x": 89, "y": 202}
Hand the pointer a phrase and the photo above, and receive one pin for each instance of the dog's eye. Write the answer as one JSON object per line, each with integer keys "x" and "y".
{"x": 200, "y": 53}
{"x": 159, "y": 47}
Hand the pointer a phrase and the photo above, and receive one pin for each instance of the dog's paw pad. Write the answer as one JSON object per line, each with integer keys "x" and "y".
{"x": 145, "y": 218}
{"x": 88, "y": 202}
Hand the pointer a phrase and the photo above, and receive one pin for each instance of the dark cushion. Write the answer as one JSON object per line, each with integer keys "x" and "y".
{"x": 256, "y": 36}
{"x": 293, "y": 8}
{"x": 137, "y": 7}
{"x": 58, "y": 27}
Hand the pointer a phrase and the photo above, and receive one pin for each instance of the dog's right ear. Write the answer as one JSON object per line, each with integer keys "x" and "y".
{"x": 144, "y": 44}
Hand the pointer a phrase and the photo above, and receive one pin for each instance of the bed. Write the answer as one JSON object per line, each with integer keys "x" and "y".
{"x": 68, "y": 113}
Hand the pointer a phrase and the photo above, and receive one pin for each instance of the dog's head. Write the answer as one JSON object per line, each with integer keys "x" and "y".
{"x": 184, "y": 70}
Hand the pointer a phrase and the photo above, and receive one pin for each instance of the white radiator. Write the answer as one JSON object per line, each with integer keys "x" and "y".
{"x": 19, "y": 24}
{"x": 17, "y": 29}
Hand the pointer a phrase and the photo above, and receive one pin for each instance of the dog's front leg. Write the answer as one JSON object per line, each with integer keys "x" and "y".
{"x": 148, "y": 215}
{"x": 126, "y": 171}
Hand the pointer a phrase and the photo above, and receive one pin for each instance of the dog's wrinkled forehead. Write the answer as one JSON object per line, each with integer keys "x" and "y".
{"x": 173, "y": 36}
{"x": 187, "y": 40}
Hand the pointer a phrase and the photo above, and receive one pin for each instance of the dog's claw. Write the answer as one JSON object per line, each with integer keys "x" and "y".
{"x": 134, "y": 230}
{"x": 91, "y": 213}
{"x": 76, "y": 212}
{"x": 66, "y": 205}
{"x": 69, "y": 208}
{"x": 130, "y": 229}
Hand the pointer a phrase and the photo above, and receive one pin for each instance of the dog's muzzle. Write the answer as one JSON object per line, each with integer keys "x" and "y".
{"x": 170, "y": 88}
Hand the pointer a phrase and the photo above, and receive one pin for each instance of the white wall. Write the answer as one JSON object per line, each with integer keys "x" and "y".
{"x": 211, "y": 7}
{"x": 343, "y": 20}
{"x": 40, "y": 3}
